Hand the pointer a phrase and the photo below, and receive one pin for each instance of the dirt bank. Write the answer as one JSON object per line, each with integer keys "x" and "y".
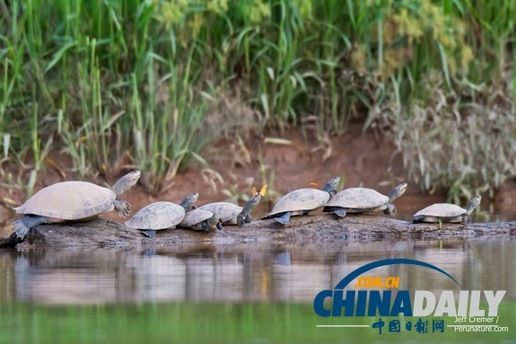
{"x": 301, "y": 230}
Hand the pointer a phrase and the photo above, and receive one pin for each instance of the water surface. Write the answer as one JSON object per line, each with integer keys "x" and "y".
{"x": 248, "y": 293}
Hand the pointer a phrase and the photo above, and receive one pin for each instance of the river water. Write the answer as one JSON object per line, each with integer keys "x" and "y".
{"x": 248, "y": 293}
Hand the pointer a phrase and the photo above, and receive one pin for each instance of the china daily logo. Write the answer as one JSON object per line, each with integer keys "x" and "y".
{"x": 470, "y": 310}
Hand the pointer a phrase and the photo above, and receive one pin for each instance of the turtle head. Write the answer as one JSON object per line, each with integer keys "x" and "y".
{"x": 397, "y": 192}
{"x": 331, "y": 186}
{"x": 126, "y": 182}
{"x": 244, "y": 216}
{"x": 475, "y": 202}
{"x": 189, "y": 201}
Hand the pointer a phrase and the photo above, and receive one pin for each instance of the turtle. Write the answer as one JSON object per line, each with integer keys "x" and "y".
{"x": 446, "y": 212}
{"x": 73, "y": 201}
{"x": 161, "y": 215}
{"x": 302, "y": 201}
{"x": 201, "y": 220}
{"x": 232, "y": 214}
{"x": 364, "y": 200}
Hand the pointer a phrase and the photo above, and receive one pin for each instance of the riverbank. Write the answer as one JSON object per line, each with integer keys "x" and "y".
{"x": 360, "y": 158}
{"x": 301, "y": 230}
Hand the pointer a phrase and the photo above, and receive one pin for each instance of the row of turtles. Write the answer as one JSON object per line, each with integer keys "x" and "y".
{"x": 362, "y": 200}
{"x": 163, "y": 215}
{"x": 77, "y": 200}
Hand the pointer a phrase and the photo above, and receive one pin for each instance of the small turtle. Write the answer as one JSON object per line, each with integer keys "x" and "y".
{"x": 364, "y": 200}
{"x": 302, "y": 201}
{"x": 445, "y": 212}
{"x": 201, "y": 220}
{"x": 232, "y": 214}
{"x": 72, "y": 201}
{"x": 161, "y": 215}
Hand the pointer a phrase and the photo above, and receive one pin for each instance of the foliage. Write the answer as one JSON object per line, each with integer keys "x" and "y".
{"x": 118, "y": 83}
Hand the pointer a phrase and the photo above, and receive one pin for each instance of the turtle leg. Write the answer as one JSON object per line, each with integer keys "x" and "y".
{"x": 219, "y": 226}
{"x": 390, "y": 210}
{"x": 23, "y": 226}
{"x": 149, "y": 233}
{"x": 196, "y": 227}
{"x": 122, "y": 208}
{"x": 466, "y": 219}
{"x": 340, "y": 212}
{"x": 241, "y": 220}
{"x": 205, "y": 226}
{"x": 201, "y": 227}
{"x": 440, "y": 223}
{"x": 284, "y": 218}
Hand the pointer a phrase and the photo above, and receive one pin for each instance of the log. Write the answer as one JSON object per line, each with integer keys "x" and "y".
{"x": 301, "y": 230}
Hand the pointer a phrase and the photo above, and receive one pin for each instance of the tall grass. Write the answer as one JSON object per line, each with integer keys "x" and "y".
{"x": 118, "y": 83}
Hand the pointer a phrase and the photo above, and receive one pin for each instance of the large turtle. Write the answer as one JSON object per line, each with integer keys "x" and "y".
{"x": 200, "y": 220}
{"x": 232, "y": 214}
{"x": 364, "y": 200}
{"x": 302, "y": 201}
{"x": 71, "y": 201}
{"x": 161, "y": 215}
{"x": 446, "y": 212}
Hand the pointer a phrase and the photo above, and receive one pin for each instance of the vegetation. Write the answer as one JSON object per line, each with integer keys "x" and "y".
{"x": 151, "y": 82}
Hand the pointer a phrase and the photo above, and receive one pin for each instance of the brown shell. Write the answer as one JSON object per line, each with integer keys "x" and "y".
{"x": 444, "y": 210}
{"x": 156, "y": 216}
{"x": 196, "y": 216}
{"x": 224, "y": 210}
{"x": 299, "y": 200}
{"x": 72, "y": 200}
{"x": 358, "y": 198}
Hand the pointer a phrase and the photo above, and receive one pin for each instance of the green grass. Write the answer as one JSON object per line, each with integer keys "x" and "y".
{"x": 208, "y": 323}
{"x": 119, "y": 83}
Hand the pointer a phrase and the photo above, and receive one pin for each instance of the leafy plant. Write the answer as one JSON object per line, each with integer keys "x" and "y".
{"x": 117, "y": 84}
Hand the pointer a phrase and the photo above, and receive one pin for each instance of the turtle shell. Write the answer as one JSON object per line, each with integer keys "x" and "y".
{"x": 300, "y": 200}
{"x": 156, "y": 216}
{"x": 73, "y": 200}
{"x": 442, "y": 210}
{"x": 224, "y": 210}
{"x": 196, "y": 216}
{"x": 358, "y": 198}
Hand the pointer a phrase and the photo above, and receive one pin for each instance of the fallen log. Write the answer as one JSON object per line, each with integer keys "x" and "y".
{"x": 301, "y": 230}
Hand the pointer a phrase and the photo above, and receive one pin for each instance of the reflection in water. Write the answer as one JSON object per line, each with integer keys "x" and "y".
{"x": 243, "y": 273}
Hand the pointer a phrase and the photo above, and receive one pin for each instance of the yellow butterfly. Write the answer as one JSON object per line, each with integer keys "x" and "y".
{"x": 262, "y": 192}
